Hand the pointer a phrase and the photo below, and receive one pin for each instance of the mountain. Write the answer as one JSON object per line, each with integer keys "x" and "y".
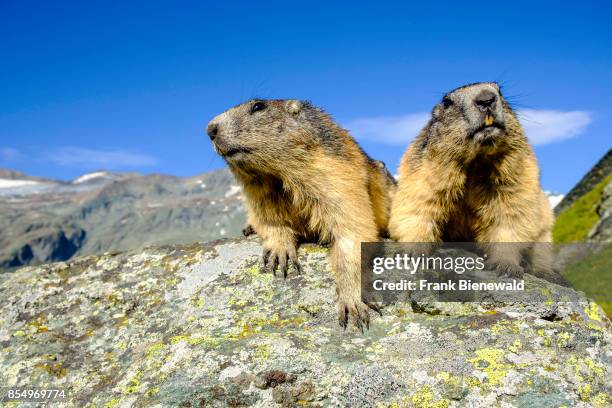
{"x": 598, "y": 173}
{"x": 584, "y": 213}
{"x": 49, "y": 220}
{"x": 584, "y": 217}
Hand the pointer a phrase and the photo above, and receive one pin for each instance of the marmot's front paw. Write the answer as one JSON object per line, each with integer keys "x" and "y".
{"x": 508, "y": 270}
{"x": 357, "y": 310}
{"x": 248, "y": 230}
{"x": 281, "y": 258}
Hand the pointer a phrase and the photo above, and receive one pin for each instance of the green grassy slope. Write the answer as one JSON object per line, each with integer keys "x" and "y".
{"x": 573, "y": 224}
{"x": 592, "y": 275}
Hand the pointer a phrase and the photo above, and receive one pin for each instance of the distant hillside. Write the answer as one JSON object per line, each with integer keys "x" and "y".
{"x": 585, "y": 210}
{"x": 598, "y": 172}
{"x": 585, "y": 216}
{"x": 48, "y": 220}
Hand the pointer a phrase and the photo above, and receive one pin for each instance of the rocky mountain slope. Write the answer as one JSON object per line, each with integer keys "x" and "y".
{"x": 598, "y": 173}
{"x": 46, "y": 220}
{"x": 585, "y": 215}
{"x": 202, "y": 326}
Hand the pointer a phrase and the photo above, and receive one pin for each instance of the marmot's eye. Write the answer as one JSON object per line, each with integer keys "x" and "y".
{"x": 257, "y": 106}
{"x": 446, "y": 101}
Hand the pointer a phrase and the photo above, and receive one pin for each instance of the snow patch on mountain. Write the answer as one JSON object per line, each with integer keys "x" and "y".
{"x": 554, "y": 198}
{"x": 90, "y": 176}
{"x": 233, "y": 190}
{"x": 8, "y": 183}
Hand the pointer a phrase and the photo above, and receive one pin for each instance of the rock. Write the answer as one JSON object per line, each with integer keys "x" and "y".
{"x": 272, "y": 378}
{"x": 602, "y": 231}
{"x": 601, "y": 170}
{"x": 202, "y": 325}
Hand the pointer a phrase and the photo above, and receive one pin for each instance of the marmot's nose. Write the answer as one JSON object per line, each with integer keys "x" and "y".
{"x": 485, "y": 100}
{"x": 212, "y": 130}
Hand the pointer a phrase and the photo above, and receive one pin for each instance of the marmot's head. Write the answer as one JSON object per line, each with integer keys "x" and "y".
{"x": 476, "y": 112}
{"x": 268, "y": 134}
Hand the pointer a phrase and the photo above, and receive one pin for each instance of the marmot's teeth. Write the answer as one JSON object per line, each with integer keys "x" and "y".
{"x": 488, "y": 120}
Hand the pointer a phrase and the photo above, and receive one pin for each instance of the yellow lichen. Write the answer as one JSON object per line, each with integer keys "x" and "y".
{"x": 444, "y": 376}
{"x": 121, "y": 345}
{"x": 155, "y": 350}
{"x": 375, "y": 348}
{"x": 197, "y": 301}
{"x": 252, "y": 324}
{"x": 313, "y": 249}
{"x": 549, "y": 297}
{"x": 262, "y": 351}
{"x": 584, "y": 392}
{"x": 505, "y": 326}
{"x": 112, "y": 403}
{"x": 490, "y": 361}
{"x": 601, "y": 400}
{"x": 516, "y": 346}
{"x": 133, "y": 384}
{"x": 563, "y": 339}
{"x": 593, "y": 312}
{"x": 38, "y": 325}
{"x": 473, "y": 382}
{"x": 57, "y": 370}
{"x": 196, "y": 339}
{"x": 425, "y": 398}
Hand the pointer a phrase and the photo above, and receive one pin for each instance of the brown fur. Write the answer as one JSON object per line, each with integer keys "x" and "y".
{"x": 304, "y": 177}
{"x": 459, "y": 181}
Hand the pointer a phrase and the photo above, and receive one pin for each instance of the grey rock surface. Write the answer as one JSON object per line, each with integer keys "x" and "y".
{"x": 202, "y": 325}
{"x": 602, "y": 231}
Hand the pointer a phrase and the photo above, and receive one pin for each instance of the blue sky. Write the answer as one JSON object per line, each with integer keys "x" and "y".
{"x": 91, "y": 85}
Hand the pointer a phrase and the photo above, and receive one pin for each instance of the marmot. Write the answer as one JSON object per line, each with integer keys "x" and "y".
{"x": 471, "y": 175}
{"x": 304, "y": 178}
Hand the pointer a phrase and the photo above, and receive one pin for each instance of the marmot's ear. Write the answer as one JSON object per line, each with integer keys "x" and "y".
{"x": 293, "y": 106}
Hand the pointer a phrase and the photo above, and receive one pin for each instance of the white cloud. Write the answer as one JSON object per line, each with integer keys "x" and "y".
{"x": 541, "y": 126}
{"x": 548, "y": 126}
{"x": 90, "y": 158}
{"x": 9, "y": 154}
{"x": 390, "y": 130}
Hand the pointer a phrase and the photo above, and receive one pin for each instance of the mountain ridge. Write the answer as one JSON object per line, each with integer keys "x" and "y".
{"x": 119, "y": 211}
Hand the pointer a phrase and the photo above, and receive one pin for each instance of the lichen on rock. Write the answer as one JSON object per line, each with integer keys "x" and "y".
{"x": 203, "y": 325}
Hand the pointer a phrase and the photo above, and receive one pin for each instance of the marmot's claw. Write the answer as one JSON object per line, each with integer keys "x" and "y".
{"x": 273, "y": 264}
{"x": 281, "y": 259}
{"x": 373, "y": 305}
{"x": 343, "y": 318}
{"x": 293, "y": 259}
{"x": 282, "y": 265}
{"x": 265, "y": 257}
{"x": 270, "y": 261}
{"x": 358, "y": 312}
